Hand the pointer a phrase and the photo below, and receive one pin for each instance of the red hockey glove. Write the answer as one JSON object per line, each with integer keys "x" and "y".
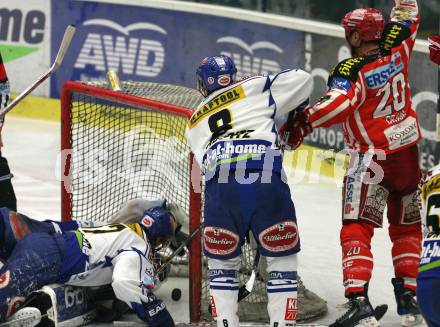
{"x": 295, "y": 130}
{"x": 434, "y": 48}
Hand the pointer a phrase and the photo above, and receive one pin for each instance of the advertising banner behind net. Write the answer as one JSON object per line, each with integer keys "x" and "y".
{"x": 165, "y": 46}
{"x": 25, "y": 28}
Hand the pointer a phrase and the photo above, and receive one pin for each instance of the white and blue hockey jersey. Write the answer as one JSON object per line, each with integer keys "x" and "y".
{"x": 117, "y": 254}
{"x": 430, "y": 210}
{"x": 238, "y": 125}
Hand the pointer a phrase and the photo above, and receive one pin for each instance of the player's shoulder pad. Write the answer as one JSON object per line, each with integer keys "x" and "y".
{"x": 394, "y": 34}
{"x": 347, "y": 70}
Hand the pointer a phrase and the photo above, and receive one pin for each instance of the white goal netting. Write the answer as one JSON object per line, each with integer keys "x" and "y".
{"x": 124, "y": 149}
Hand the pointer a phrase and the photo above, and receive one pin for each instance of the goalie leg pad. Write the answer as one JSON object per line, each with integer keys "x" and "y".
{"x": 224, "y": 290}
{"x": 282, "y": 290}
{"x": 61, "y": 304}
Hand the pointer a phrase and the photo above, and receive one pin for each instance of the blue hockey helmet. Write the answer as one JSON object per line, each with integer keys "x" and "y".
{"x": 160, "y": 226}
{"x": 214, "y": 73}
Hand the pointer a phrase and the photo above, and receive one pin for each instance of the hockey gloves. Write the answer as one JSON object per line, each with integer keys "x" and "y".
{"x": 434, "y": 48}
{"x": 156, "y": 314}
{"x": 295, "y": 130}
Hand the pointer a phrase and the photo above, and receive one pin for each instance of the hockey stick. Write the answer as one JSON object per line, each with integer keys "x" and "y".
{"x": 179, "y": 249}
{"x": 65, "y": 43}
{"x": 246, "y": 289}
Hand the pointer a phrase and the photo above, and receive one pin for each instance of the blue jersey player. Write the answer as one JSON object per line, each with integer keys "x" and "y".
{"x": 234, "y": 137}
{"x": 120, "y": 255}
{"x": 14, "y": 225}
{"x": 428, "y": 278}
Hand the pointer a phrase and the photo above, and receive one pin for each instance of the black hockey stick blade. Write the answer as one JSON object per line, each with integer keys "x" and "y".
{"x": 246, "y": 289}
{"x": 380, "y": 311}
{"x": 179, "y": 249}
{"x": 242, "y": 293}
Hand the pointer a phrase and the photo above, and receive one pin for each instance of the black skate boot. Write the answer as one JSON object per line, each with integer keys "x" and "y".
{"x": 360, "y": 312}
{"x": 407, "y": 306}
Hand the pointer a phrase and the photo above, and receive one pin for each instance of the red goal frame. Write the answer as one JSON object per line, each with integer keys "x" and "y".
{"x": 195, "y": 249}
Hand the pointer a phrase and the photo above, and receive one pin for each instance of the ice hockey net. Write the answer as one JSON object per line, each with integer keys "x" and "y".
{"x": 119, "y": 146}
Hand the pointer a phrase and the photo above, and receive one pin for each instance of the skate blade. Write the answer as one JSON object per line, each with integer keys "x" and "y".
{"x": 380, "y": 311}
{"x": 409, "y": 320}
{"x": 345, "y": 305}
{"x": 368, "y": 322}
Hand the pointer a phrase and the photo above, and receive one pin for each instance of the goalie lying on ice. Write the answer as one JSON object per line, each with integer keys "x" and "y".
{"x": 117, "y": 254}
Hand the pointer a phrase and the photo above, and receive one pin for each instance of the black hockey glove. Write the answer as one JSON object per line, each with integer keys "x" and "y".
{"x": 118, "y": 309}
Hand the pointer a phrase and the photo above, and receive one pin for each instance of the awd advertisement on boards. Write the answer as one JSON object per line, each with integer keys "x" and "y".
{"x": 25, "y": 28}
{"x": 423, "y": 80}
{"x": 164, "y": 46}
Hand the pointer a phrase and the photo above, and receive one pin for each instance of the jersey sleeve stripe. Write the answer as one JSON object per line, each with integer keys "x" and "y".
{"x": 361, "y": 128}
{"x": 333, "y": 113}
{"x": 357, "y": 116}
{"x": 414, "y": 35}
{"x": 356, "y": 94}
{"x": 350, "y": 132}
{"x": 361, "y": 86}
{"x": 405, "y": 46}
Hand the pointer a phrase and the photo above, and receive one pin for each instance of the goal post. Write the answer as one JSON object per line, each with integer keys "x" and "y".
{"x": 89, "y": 116}
{"x": 118, "y": 146}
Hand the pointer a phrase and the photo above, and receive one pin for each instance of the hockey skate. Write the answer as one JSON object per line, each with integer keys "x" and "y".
{"x": 407, "y": 306}
{"x": 359, "y": 313}
{"x": 26, "y": 317}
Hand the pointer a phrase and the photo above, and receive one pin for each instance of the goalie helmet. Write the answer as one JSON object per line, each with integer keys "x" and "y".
{"x": 215, "y": 73}
{"x": 369, "y": 22}
{"x": 160, "y": 226}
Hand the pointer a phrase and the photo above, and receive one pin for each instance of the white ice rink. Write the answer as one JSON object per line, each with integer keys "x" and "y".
{"x": 32, "y": 147}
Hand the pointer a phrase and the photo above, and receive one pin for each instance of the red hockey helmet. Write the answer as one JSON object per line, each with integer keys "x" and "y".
{"x": 369, "y": 22}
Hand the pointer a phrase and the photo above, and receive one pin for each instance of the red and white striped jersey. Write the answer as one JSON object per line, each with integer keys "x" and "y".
{"x": 370, "y": 95}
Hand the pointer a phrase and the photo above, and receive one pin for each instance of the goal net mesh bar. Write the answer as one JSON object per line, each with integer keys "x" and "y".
{"x": 119, "y": 146}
